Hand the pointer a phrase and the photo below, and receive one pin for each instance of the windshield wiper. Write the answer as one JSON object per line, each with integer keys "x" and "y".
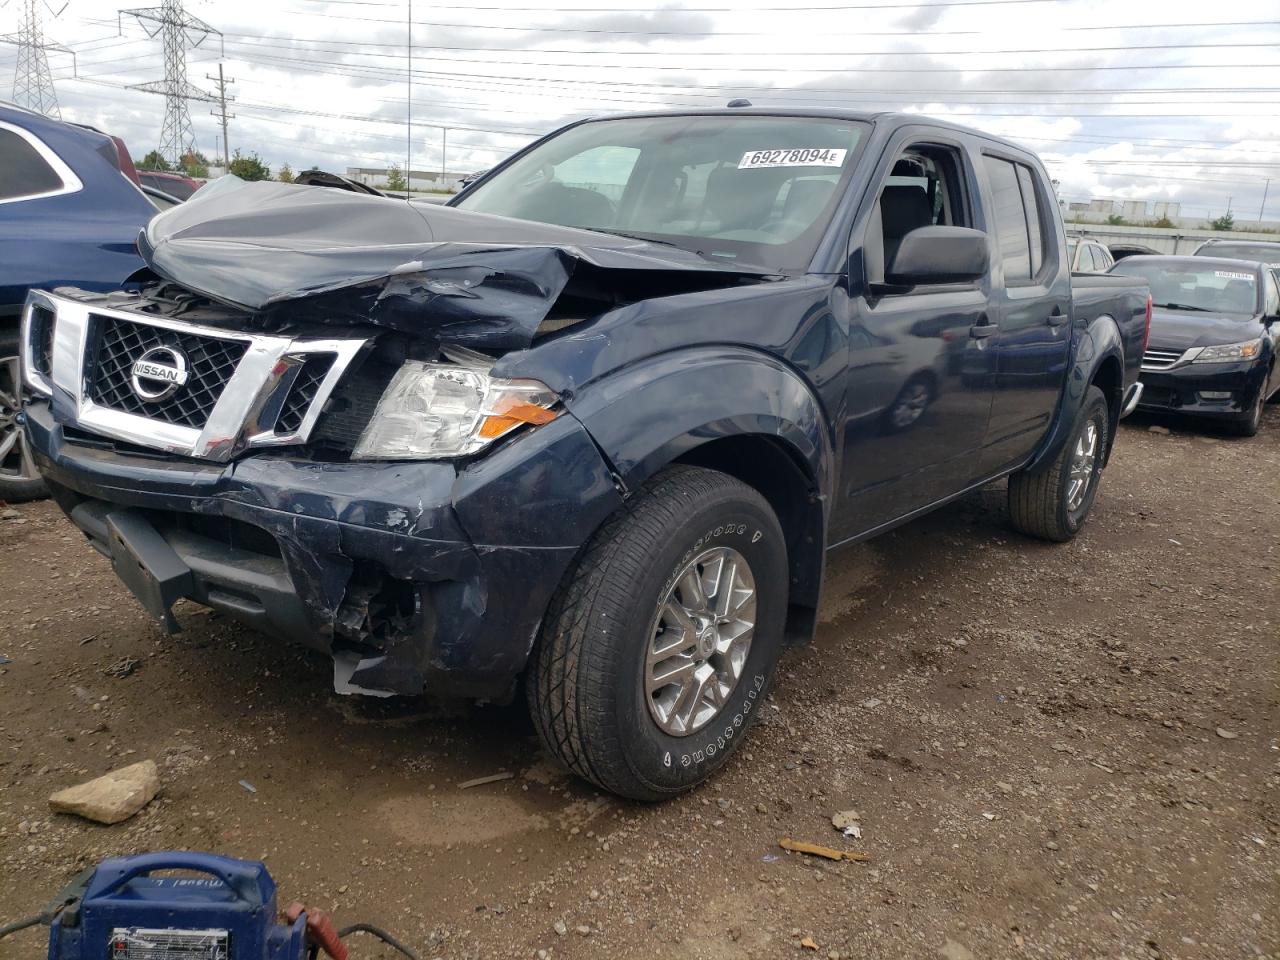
{"x": 1184, "y": 306}
{"x": 638, "y": 236}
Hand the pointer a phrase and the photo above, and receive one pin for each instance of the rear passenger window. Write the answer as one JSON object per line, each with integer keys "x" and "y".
{"x": 1031, "y": 206}
{"x": 1019, "y": 219}
{"x": 23, "y": 172}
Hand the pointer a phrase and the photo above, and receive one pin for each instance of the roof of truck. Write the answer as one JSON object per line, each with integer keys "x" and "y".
{"x": 829, "y": 113}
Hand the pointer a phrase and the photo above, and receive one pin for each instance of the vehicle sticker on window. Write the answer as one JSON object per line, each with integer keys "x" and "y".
{"x": 793, "y": 157}
{"x": 1228, "y": 275}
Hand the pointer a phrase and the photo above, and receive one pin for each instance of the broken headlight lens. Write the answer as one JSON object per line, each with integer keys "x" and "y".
{"x": 1226, "y": 352}
{"x": 439, "y": 410}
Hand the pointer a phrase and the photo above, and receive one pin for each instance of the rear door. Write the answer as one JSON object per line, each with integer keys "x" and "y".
{"x": 1031, "y": 304}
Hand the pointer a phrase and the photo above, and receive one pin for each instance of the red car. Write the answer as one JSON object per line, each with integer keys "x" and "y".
{"x": 177, "y": 185}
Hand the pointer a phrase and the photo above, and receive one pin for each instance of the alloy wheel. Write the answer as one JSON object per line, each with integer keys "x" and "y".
{"x": 699, "y": 641}
{"x": 1084, "y": 458}
{"x": 16, "y": 462}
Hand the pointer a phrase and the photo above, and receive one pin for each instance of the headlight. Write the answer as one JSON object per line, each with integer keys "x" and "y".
{"x": 1227, "y": 352}
{"x": 438, "y": 410}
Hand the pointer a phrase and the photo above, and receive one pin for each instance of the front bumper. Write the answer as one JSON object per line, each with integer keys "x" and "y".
{"x": 1183, "y": 389}
{"x": 429, "y": 577}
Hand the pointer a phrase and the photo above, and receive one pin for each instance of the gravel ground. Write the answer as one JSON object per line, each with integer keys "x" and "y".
{"x": 1054, "y": 751}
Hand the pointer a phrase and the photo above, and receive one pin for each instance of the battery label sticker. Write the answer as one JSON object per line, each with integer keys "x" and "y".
{"x": 1228, "y": 275}
{"x": 793, "y": 157}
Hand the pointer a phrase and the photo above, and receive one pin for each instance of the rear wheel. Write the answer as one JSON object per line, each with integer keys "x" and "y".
{"x": 19, "y": 478}
{"x": 1053, "y": 503}
{"x": 659, "y": 647}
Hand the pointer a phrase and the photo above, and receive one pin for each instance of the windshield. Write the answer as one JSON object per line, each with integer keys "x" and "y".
{"x": 735, "y": 188}
{"x": 1268, "y": 253}
{"x": 1185, "y": 286}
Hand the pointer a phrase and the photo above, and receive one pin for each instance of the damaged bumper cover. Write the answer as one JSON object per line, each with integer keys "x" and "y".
{"x": 418, "y": 576}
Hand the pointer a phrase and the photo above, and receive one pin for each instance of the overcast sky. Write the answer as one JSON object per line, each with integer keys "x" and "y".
{"x": 1147, "y": 99}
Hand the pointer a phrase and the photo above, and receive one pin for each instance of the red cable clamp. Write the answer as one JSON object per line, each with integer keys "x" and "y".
{"x": 320, "y": 930}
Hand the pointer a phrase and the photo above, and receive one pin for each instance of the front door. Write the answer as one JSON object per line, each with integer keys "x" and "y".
{"x": 919, "y": 383}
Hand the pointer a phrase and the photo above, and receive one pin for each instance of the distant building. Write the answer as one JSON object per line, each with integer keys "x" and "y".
{"x": 418, "y": 179}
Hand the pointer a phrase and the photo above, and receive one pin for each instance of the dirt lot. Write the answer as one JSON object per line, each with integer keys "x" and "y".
{"x": 1059, "y": 751}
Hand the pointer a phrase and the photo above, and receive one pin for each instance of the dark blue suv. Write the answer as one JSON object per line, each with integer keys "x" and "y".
{"x": 69, "y": 215}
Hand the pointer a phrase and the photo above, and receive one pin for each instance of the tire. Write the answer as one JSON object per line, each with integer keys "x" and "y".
{"x": 19, "y": 479}
{"x": 1248, "y": 425}
{"x": 594, "y": 696}
{"x": 1046, "y": 504}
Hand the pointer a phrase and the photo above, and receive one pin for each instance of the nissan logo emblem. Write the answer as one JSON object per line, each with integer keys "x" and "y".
{"x": 158, "y": 373}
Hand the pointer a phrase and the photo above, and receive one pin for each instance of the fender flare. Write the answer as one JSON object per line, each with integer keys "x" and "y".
{"x": 651, "y": 413}
{"x": 1098, "y": 343}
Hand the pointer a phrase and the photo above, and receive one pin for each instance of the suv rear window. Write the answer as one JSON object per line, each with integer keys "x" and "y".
{"x": 23, "y": 172}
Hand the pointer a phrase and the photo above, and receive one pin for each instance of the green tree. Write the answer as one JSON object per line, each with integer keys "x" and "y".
{"x": 153, "y": 161}
{"x": 396, "y": 182}
{"x": 286, "y": 174}
{"x": 250, "y": 167}
{"x": 1162, "y": 222}
{"x": 1224, "y": 222}
{"x": 195, "y": 164}
{"x": 1115, "y": 220}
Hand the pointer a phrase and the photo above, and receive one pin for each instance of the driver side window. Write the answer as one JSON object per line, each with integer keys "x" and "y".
{"x": 924, "y": 188}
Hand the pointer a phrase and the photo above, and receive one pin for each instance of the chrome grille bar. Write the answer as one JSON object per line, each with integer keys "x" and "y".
{"x": 1156, "y": 360}
{"x": 249, "y": 410}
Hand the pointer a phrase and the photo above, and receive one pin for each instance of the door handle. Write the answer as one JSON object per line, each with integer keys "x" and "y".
{"x": 1057, "y": 318}
{"x": 981, "y": 330}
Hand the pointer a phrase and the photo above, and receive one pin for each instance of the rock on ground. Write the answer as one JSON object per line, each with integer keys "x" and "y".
{"x": 113, "y": 797}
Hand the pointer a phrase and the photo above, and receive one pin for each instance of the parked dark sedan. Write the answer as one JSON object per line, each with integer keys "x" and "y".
{"x": 1214, "y": 327}
{"x": 1264, "y": 251}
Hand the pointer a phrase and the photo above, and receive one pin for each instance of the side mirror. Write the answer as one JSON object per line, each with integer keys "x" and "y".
{"x": 939, "y": 255}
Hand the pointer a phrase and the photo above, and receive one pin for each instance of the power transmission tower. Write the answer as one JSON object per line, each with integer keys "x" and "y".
{"x": 177, "y": 30}
{"x": 222, "y": 99}
{"x": 32, "y": 80}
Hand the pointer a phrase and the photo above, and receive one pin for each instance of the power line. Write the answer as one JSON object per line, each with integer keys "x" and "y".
{"x": 257, "y": 41}
{"x": 609, "y": 31}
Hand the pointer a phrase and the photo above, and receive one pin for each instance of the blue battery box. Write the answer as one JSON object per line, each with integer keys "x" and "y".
{"x": 216, "y": 908}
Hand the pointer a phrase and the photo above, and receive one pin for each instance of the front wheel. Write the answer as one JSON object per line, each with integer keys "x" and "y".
{"x": 658, "y": 649}
{"x": 1247, "y": 426}
{"x": 1053, "y": 503}
{"x": 19, "y": 478}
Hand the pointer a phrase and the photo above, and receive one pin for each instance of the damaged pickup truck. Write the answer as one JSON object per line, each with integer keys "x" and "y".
{"x": 594, "y": 426}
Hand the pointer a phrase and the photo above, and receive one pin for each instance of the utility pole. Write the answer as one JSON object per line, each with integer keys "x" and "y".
{"x": 222, "y": 109}
{"x": 408, "y": 103}
{"x": 177, "y": 30}
{"x": 444, "y": 158}
{"x": 32, "y": 80}
{"x": 1263, "y": 209}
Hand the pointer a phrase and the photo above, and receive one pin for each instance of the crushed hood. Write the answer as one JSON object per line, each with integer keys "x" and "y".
{"x": 332, "y": 256}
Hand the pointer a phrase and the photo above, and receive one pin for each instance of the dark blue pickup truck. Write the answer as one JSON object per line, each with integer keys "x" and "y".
{"x": 596, "y": 424}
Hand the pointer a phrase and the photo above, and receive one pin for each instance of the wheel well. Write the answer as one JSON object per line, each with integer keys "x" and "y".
{"x": 766, "y": 464}
{"x": 1110, "y": 381}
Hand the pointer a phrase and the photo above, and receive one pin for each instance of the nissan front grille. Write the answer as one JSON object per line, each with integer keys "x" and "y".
{"x": 175, "y": 386}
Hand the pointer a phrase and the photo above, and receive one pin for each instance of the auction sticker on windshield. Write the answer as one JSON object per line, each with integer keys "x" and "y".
{"x": 1230, "y": 275}
{"x": 793, "y": 157}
